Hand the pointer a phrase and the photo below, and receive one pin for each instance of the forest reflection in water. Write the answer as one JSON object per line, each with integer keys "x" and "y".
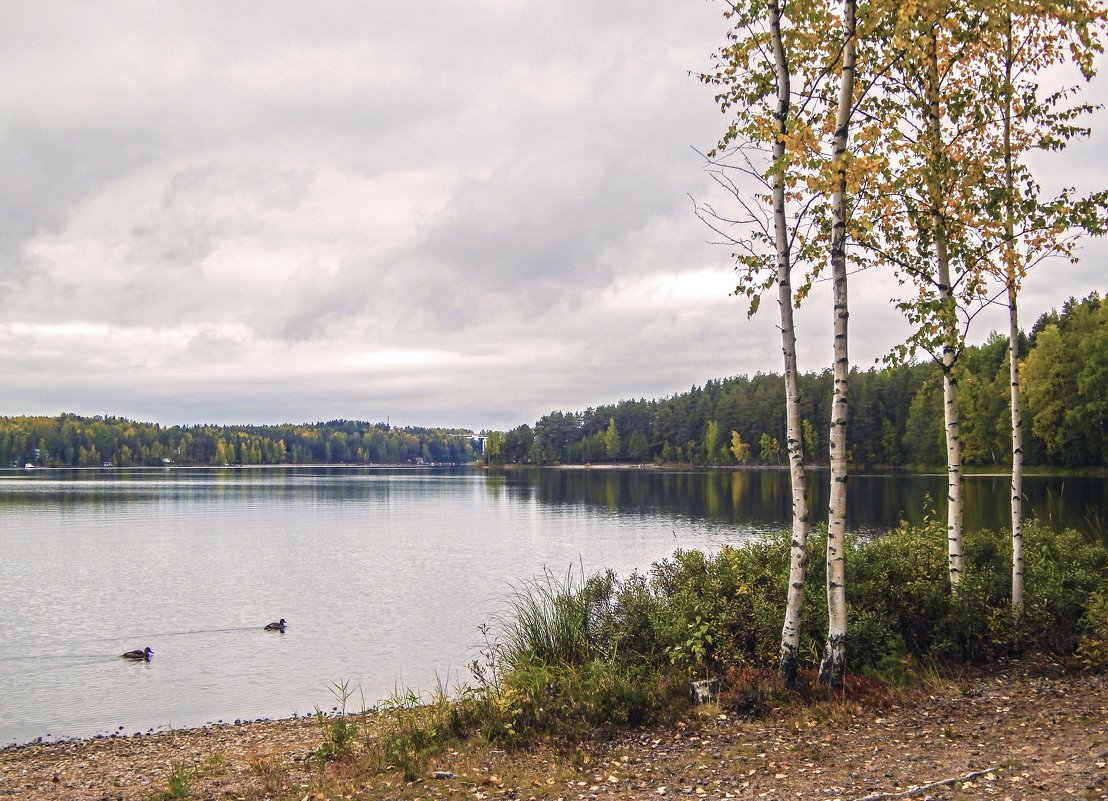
{"x": 760, "y": 498}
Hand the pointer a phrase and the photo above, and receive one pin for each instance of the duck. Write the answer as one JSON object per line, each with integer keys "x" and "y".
{"x": 144, "y": 654}
{"x": 278, "y": 626}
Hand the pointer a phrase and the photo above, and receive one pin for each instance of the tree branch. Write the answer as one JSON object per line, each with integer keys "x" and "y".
{"x": 925, "y": 787}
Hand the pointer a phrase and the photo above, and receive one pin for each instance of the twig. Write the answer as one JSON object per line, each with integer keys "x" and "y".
{"x": 923, "y": 787}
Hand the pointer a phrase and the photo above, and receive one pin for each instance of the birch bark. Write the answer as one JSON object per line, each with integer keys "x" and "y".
{"x": 1012, "y": 280}
{"x": 798, "y": 557}
{"x": 833, "y": 665}
{"x": 948, "y": 320}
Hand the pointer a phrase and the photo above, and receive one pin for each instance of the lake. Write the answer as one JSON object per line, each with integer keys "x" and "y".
{"x": 383, "y": 574}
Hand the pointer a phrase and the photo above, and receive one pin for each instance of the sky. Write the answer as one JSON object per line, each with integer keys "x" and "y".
{"x": 446, "y": 214}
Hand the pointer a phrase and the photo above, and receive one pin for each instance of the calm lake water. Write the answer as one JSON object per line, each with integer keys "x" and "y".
{"x": 383, "y": 574}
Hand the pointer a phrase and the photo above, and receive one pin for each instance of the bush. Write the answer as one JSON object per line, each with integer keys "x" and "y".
{"x": 1092, "y": 648}
{"x": 612, "y": 650}
{"x": 575, "y": 655}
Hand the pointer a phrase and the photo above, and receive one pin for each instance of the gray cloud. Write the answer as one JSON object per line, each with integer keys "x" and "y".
{"x": 468, "y": 214}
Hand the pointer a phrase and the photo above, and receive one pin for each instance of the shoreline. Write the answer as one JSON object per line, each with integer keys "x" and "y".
{"x": 48, "y": 740}
{"x": 149, "y": 734}
{"x": 1020, "y": 730}
{"x": 136, "y": 766}
{"x": 980, "y": 471}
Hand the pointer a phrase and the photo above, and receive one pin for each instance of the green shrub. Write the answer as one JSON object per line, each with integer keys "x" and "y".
{"x": 1065, "y": 573}
{"x": 338, "y": 732}
{"x": 580, "y": 653}
{"x": 1092, "y": 648}
{"x": 573, "y": 654}
{"x": 413, "y": 728}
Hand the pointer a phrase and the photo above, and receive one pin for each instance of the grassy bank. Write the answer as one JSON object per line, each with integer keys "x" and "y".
{"x": 576, "y": 656}
{"x": 1019, "y": 730}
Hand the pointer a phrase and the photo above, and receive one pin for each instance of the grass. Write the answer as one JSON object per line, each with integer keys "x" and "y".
{"x": 181, "y": 775}
{"x": 414, "y": 730}
{"x": 573, "y": 655}
{"x": 548, "y": 622}
{"x": 179, "y": 778}
{"x": 338, "y": 732}
{"x": 272, "y": 775}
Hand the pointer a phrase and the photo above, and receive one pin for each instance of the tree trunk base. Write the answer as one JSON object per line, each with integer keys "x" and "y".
{"x": 833, "y": 667}
{"x": 788, "y": 667}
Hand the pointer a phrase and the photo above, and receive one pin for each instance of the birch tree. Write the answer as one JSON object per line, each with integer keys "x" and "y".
{"x": 918, "y": 217}
{"x": 771, "y": 146}
{"x": 794, "y": 444}
{"x": 866, "y": 50}
{"x": 833, "y": 665}
{"x": 961, "y": 108}
{"x": 790, "y": 75}
{"x": 938, "y": 166}
{"x": 1019, "y": 120}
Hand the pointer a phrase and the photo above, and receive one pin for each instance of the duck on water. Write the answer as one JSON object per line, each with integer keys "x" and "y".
{"x": 278, "y": 626}
{"x": 144, "y": 654}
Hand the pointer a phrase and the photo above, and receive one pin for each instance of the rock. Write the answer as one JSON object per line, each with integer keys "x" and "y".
{"x": 705, "y": 691}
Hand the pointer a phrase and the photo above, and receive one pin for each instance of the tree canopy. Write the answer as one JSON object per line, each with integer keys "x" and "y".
{"x": 897, "y": 414}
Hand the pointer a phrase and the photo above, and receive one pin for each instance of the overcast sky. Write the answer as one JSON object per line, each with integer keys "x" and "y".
{"x": 443, "y": 214}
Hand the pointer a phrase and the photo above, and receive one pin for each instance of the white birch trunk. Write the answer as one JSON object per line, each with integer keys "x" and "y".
{"x": 953, "y": 465}
{"x": 952, "y": 427}
{"x": 798, "y": 558}
{"x": 1012, "y": 278}
{"x": 1017, "y": 453}
{"x": 833, "y": 666}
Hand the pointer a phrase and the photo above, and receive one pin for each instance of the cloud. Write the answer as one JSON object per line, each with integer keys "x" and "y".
{"x": 465, "y": 215}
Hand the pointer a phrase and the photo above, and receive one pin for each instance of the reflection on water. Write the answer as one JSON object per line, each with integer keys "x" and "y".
{"x": 759, "y": 499}
{"x": 383, "y": 575}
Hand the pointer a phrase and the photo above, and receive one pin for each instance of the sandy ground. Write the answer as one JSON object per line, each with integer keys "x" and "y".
{"x": 1020, "y": 732}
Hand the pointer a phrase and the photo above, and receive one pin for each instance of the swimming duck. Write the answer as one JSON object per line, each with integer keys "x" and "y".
{"x": 144, "y": 654}
{"x": 278, "y": 626}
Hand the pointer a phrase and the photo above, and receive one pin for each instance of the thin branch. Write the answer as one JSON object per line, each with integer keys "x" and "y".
{"x": 925, "y": 787}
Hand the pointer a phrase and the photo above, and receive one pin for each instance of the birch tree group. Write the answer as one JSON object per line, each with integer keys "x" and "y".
{"x": 894, "y": 134}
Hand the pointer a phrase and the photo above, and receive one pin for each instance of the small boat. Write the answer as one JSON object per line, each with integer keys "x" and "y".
{"x": 144, "y": 654}
{"x": 278, "y": 626}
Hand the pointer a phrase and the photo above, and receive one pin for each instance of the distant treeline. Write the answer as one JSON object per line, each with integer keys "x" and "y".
{"x": 896, "y": 414}
{"x": 73, "y": 441}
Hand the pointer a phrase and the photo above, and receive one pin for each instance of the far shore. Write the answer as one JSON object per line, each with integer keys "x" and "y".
{"x": 983, "y": 471}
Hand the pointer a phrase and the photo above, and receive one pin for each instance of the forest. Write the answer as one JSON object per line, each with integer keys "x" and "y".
{"x": 896, "y": 420}
{"x": 896, "y": 412}
{"x": 73, "y": 441}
